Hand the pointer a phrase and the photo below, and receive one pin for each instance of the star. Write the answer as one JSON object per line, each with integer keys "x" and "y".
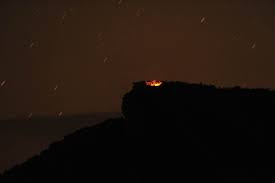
{"x": 60, "y": 114}
{"x": 55, "y": 88}
{"x": 3, "y": 83}
{"x": 203, "y": 19}
{"x": 30, "y": 116}
{"x": 105, "y": 59}
{"x": 120, "y": 2}
{"x": 253, "y": 46}
{"x": 32, "y": 44}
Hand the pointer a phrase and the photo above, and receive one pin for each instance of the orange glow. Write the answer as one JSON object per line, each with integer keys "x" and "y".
{"x": 153, "y": 83}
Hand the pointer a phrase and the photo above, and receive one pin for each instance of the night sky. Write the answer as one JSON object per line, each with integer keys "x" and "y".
{"x": 69, "y": 57}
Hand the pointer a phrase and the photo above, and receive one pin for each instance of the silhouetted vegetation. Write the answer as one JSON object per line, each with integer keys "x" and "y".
{"x": 176, "y": 132}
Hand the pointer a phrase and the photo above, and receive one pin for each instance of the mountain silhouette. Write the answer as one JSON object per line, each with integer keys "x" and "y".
{"x": 175, "y": 132}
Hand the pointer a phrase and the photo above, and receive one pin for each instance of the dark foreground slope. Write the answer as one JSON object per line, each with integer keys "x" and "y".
{"x": 22, "y": 138}
{"x": 174, "y": 133}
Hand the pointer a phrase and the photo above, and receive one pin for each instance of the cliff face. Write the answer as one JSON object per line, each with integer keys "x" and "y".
{"x": 205, "y": 104}
{"x": 235, "y": 123}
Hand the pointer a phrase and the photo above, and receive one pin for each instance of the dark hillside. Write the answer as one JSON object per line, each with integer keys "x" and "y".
{"x": 176, "y": 132}
{"x": 234, "y": 124}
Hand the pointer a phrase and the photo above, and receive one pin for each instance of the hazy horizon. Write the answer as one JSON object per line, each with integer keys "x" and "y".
{"x": 22, "y": 139}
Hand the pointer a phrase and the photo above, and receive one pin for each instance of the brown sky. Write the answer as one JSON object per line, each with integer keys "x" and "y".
{"x": 81, "y": 56}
